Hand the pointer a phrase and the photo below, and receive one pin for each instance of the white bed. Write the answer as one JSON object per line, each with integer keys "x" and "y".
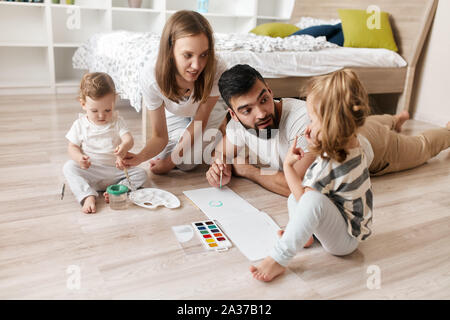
{"x": 122, "y": 54}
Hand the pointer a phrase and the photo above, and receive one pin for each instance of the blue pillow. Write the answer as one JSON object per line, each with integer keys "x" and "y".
{"x": 333, "y": 33}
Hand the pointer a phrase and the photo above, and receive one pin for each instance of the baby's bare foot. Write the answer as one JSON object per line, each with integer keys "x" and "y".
{"x": 307, "y": 244}
{"x": 400, "y": 119}
{"x": 89, "y": 205}
{"x": 267, "y": 270}
{"x": 106, "y": 195}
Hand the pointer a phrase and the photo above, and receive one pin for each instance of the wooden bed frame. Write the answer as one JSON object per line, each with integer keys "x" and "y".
{"x": 410, "y": 21}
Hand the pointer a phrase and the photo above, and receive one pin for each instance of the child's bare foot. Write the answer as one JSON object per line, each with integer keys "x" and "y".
{"x": 106, "y": 195}
{"x": 267, "y": 270}
{"x": 307, "y": 244}
{"x": 89, "y": 205}
{"x": 400, "y": 120}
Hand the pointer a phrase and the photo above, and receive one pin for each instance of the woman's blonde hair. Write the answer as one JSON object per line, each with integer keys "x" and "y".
{"x": 341, "y": 103}
{"x": 96, "y": 85}
{"x": 182, "y": 24}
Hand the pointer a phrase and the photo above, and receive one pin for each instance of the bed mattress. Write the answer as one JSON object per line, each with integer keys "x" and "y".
{"x": 123, "y": 55}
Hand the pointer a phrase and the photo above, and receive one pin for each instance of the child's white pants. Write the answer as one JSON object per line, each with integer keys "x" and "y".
{"x": 86, "y": 182}
{"x": 314, "y": 214}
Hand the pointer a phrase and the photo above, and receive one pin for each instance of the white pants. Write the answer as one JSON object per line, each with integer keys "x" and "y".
{"x": 177, "y": 125}
{"x": 86, "y": 182}
{"x": 314, "y": 214}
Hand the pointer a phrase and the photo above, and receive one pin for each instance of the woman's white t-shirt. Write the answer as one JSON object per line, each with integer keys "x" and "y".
{"x": 153, "y": 97}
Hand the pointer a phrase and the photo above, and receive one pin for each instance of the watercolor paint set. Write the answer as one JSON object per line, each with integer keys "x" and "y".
{"x": 211, "y": 236}
{"x": 199, "y": 236}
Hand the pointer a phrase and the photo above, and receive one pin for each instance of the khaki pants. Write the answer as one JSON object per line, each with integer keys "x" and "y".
{"x": 394, "y": 151}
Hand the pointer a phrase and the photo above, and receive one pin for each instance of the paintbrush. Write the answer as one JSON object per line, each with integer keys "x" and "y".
{"x": 62, "y": 191}
{"x": 128, "y": 179}
{"x": 220, "y": 186}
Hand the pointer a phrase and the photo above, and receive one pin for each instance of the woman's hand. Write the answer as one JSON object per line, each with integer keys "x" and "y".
{"x": 161, "y": 166}
{"x": 294, "y": 154}
{"x": 130, "y": 160}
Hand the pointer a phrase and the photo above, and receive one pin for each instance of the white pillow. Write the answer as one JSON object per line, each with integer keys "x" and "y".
{"x": 306, "y": 22}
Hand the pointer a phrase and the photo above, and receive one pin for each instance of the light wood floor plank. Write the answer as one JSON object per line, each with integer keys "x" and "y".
{"x": 133, "y": 254}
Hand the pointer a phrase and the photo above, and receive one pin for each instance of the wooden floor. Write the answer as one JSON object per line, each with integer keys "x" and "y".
{"x": 133, "y": 254}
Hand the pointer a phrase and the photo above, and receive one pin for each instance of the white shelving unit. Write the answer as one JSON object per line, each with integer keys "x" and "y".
{"x": 38, "y": 40}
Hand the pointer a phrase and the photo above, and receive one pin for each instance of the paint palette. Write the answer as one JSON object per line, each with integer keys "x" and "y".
{"x": 211, "y": 236}
{"x": 151, "y": 198}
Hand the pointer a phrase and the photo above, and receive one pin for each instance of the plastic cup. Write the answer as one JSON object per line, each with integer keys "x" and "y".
{"x": 118, "y": 199}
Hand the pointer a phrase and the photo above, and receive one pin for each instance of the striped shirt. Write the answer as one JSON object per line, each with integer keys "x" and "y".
{"x": 348, "y": 185}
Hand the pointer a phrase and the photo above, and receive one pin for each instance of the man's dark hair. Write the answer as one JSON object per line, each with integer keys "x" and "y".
{"x": 237, "y": 81}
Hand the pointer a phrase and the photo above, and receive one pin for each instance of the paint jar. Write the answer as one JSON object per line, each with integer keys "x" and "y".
{"x": 118, "y": 199}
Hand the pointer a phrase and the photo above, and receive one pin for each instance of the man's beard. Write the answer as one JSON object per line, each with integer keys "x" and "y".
{"x": 265, "y": 133}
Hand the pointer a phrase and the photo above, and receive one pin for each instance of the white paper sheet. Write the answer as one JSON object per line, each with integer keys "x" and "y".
{"x": 251, "y": 230}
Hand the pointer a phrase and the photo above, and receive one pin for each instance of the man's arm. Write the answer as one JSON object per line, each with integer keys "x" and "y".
{"x": 274, "y": 182}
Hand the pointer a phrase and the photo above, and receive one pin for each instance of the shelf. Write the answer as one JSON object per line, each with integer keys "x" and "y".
{"x": 67, "y": 30}
{"x": 24, "y": 4}
{"x": 147, "y": 21}
{"x": 219, "y": 8}
{"x": 65, "y": 74}
{"x": 138, "y": 10}
{"x": 24, "y": 84}
{"x": 226, "y": 15}
{"x": 67, "y": 44}
{"x": 38, "y": 40}
{"x": 157, "y": 5}
{"x": 68, "y": 83}
{"x": 24, "y": 44}
{"x": 231, "y": 24}
{"x": 73, "y": 6}
{"x": 31, "y": 29}
{"x": 24, "y": 67}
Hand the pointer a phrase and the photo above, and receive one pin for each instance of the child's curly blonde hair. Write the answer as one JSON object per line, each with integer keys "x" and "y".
{"x": 342, "y": 105}
{"x": 96, "y": 85}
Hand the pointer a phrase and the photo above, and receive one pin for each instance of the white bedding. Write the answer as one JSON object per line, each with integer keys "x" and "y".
{"x": 123, "y": 54}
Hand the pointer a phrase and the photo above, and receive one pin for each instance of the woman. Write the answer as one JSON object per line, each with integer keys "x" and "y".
{"x": 179, "y": 91}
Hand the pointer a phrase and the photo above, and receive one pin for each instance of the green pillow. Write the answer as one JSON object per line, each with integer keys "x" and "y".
{"x": 275, "y": 29}
{"x": 356, "y": 23}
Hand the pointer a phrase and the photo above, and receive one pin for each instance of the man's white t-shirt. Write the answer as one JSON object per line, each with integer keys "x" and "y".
{"x": 293, "y": 122}
{"x": 98, "y": 142}
{"x": 153, "y": 97}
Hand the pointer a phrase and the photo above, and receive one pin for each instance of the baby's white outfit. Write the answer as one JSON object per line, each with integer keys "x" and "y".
{"x": 98, "y": 142}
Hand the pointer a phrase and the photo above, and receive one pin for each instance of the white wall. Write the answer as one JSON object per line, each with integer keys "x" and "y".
{"x": 431, "y": 92}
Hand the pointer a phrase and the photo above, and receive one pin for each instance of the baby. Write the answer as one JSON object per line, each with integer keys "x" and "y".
{"x": 97, "y": 140}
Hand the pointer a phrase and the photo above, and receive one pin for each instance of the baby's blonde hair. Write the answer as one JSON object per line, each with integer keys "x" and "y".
{"x": 342, "y": 105}
{"x": 96, "y": 85}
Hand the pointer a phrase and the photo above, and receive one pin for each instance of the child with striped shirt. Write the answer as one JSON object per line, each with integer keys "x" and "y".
{"x": 334, "y": 200}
